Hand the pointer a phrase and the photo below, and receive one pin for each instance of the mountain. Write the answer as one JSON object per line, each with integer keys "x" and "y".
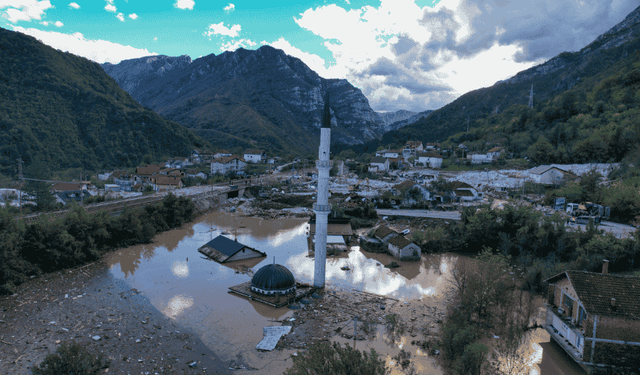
{"x": 60, "y": 111}
{"x": 585, "y": 106}
{"x": 389, "y": 118}
{"x": 401, "y": 121}
{"x": 258, "y": 99}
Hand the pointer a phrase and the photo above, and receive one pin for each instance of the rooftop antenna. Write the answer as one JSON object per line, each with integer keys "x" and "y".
{"x": 531, "y": 98}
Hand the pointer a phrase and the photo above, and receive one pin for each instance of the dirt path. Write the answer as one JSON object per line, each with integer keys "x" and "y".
{"x": 91, "y": 307}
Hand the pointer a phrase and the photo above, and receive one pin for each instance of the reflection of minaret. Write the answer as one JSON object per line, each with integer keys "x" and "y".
{"x": 322, "y": 207}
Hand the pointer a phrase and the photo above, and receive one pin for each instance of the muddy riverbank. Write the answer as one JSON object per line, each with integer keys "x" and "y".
{"x": 88, "y": 305}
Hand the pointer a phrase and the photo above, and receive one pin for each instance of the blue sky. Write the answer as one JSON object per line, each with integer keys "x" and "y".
{"x": 403, "y": 54}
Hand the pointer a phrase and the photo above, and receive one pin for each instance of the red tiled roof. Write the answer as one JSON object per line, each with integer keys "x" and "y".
{"x": 596, "y": 290}
{"x": 167, "y": 180}
{"x": 148, "y": 170}
{"x": 383, "y": 231}
{"x": 253, "y": 151}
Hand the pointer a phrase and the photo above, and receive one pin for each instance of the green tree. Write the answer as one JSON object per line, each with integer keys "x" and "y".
{"x": 333, "y": 359}
{"x": 541, "y": 152}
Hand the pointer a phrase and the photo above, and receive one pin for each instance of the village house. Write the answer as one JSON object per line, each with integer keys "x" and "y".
{"x": 223, "y": 250}
{"x": 480, "y": 158}
{"x": 595, "y": 318}
{"x": 146, "y": 172}
{"x": 463, "y": 191}
{"x": 411, "y": 148}
{"x": 71, "y": 196}
{"x": 403, "y": 249}
{"x": 193, "y": 173}
{"x": 221, "y": 154}
{"x": 496, "y": 152}
{"x": 550, "y": 175}
{"x": 254, "y": 156}
{"x": 378, "y": 164}
{"x": 432, "y": 146}
{"x": 431, "y": 159}
{"x": 70, "y": 186}
{"x": 389, "y": 153}
{"x": 228, "y": 164}
{"x": 384, "y": 233}
{"x": 162, "y": 182}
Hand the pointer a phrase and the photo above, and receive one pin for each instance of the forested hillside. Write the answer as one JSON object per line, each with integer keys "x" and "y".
{"x": 586, "y": 107}
{"x": 60, "y": 111}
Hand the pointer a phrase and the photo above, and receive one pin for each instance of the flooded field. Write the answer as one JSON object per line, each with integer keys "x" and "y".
{"x": 193, "y": 291}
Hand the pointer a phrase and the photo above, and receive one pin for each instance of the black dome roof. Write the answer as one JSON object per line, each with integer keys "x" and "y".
{"x": 273, "y": 277}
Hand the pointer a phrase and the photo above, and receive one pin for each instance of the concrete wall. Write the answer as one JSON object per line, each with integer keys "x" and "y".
{"x": 406, "y": 252}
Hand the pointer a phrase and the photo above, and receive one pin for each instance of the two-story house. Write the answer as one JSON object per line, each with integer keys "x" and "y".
{"x": 595, "y": 318}
{"x": 228, "y": 164}
{"x": 431, "y": 159}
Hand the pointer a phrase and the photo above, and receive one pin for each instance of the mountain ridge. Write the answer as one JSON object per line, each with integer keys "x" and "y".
{"x": 264, "y": 97}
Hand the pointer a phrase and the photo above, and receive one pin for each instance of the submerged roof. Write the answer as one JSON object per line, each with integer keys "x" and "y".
{"x": 222, "y": 248}
{"x": 273, "y": 277}
{"x": 400, "y": 242}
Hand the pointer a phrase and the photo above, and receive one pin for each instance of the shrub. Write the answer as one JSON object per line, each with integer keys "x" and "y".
{"x": 325, "y": 359}
{"x": 71, "y": 359}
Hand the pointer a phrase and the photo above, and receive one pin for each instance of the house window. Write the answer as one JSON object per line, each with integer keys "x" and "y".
{"x": 568, "y": 302}
{"x": 582, "y": 315}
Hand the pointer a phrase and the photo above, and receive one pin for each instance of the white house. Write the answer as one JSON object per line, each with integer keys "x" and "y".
{"x": 378, "y": 164}
{"x": 402, "y": 248}
{"x": 254, "y": 156}
{"x": 431, "y": 159}
{"x": 221, "y": 154}
{"x": 481, "y": 159}
{"x": 228, "y": 164}
{"x": 549, "y": 175}
{"x": 388, "y": 153}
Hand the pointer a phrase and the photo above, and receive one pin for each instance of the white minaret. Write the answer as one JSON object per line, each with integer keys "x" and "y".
{"x": 322, "y": 207}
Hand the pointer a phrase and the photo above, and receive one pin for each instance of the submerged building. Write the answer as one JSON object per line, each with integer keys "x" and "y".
{"x": 273, "y": 279}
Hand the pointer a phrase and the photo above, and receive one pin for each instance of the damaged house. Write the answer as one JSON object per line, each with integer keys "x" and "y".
{"x": 595, "y": 318}
{"x": 222, "y": 250}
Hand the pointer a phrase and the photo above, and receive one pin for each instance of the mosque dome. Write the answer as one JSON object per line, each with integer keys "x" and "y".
{"x": 273, "y": 279}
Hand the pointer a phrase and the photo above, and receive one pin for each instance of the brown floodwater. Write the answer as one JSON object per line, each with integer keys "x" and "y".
{"x": 193, "y": 290}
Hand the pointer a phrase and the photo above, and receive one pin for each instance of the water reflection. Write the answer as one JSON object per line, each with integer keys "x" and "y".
{"x": 177, "y": 305}
{"x": 180, "y": 269}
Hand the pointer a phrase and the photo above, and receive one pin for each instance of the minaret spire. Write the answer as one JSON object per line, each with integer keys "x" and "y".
{"x": 322, "y": 207}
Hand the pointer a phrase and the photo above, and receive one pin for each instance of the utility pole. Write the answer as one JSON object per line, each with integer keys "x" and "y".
{"x": 531, "y": 97}
{"x": 21, "y": 180}
{"x": 467, "y": 124}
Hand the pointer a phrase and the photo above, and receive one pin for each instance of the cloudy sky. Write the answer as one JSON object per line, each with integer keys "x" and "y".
{"x": 403, "y": 54}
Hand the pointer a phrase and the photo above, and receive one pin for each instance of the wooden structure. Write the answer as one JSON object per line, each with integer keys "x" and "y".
{"x": 244, "y": 289}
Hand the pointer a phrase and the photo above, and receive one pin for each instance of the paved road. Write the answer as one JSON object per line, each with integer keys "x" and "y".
{"x": 450, "y": 215}
{"x": 618, "y": 230}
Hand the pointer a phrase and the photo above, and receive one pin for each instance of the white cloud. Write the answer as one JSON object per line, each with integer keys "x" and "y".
{"x": 184, "y": 4}
{"x": 110, "y": 8}
{"x": 46, "y": 23}
{"x": 235, "y": 44}
{"x": 120, "y": 16}
{"x": 74, "y": 5}
{"x": 156, "y": 38}
{"x": 410, "y": 57}
{"x": 100, "y": 51}
{"x": 59, "y": 24}
{"x": 221, "y": 29}
{"x": 230, "y": 8}
{"x": 133, "y": 16}
{"x": 24, "y": 10}
{"x": 315, "y": 62}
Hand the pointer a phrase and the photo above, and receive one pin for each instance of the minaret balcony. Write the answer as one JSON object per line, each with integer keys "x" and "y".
{"x": 324, "y": 163}
{"x": 322, "y": 208}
